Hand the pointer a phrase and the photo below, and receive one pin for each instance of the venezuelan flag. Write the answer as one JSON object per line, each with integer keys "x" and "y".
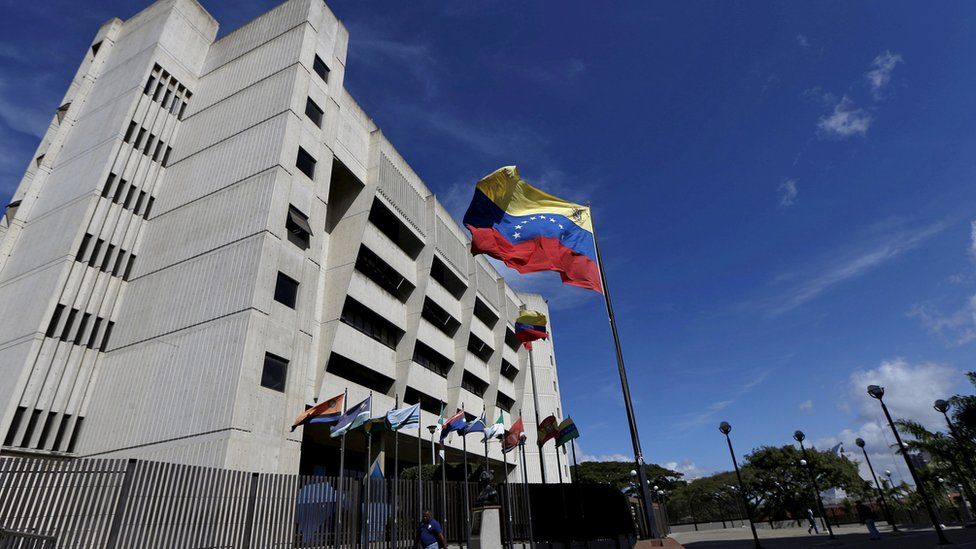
{"x": 531, "y": 230}
{"x": 530, "y": 326}
{"x": 324, "y": 412}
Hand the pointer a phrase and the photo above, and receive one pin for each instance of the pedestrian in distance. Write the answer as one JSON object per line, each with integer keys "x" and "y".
{"x": 430, "y": 535}
{"x": 867, "y": 516}
{"x": 813, "y": 523}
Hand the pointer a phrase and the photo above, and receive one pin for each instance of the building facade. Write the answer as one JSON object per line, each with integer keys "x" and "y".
{"x": 213, "y": 236}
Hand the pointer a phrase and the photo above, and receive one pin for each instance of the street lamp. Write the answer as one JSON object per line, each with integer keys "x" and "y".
{"x": 725, "y": 428}
{"x": 942, "y": 407}
{"x": 877, "y": 393}
{"x": 799, "y": 437}
{"x": 884, "y": 500}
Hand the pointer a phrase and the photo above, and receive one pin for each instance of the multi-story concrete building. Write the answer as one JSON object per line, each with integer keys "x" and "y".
{"x": 213, "y": 235}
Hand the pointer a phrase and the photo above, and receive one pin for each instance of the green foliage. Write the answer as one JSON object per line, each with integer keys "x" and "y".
{"x": 617, "y": 473}
{"x": 428, "y": 472}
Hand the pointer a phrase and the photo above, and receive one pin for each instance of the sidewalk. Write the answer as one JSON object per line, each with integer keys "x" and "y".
{"x": 847, "y": 536}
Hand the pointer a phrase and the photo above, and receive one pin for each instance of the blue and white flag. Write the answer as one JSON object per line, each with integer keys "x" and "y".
{"x": 476, "y": 426}
{"x": 403, "y": 417}
{"x": 354, "y": 417}
{"x": 496, "y": 431}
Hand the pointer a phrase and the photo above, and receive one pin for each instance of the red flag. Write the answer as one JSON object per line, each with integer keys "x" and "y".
{"x": 548, "y": 430}
{"x": 513, "y": 436}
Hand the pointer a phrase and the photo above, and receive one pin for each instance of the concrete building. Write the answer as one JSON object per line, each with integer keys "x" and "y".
{"x": 212, "y": 235}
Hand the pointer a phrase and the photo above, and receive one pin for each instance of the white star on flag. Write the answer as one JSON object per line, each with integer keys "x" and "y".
{"x": 516, "y": 235}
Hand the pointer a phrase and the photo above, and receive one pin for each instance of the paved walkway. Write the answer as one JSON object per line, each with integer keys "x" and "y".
{"x": 847, "y": 536}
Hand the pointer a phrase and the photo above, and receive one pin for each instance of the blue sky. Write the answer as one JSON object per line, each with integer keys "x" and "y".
{"x": 784, "y": 193}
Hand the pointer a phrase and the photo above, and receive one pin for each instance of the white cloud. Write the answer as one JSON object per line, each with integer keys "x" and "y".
{"x": 803, "y": 41}
{"x": 788, "y": 193}
{"x": 839, "y": 266}
{"x": 701, "y": 417}
{"x": 845, "y": 121}
{"x": 806, "y": 405}
{"x": 958, "y": 328}
{"x": 687, "y": 468}
{"x": 910, "y": 390}
{"x": 604, "y": 457}
{"x": 880, "y": 74}
{"x": 972, "y": 239}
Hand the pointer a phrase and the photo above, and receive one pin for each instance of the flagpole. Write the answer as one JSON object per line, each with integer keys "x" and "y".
{"x": 467, "y": 505}
{"x": 535, "y": 399}
{"x": 528, "y": 496}
{"x": 575, "y": 463}
{"x": 508, "y": 500}
{"x": 396, "y": 478}
{"x": 443, "y": 482}
{"x": 559, "y": 466}
{"x": 420, "y": 466}
{"x": 366, "y": 486}
{"x": 342, "y": 468}
{"x": 625, "y": 388}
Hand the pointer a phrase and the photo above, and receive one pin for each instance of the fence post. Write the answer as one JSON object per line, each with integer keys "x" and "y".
{"x": 252, "y": 496}
{"x": 116, "y": 528}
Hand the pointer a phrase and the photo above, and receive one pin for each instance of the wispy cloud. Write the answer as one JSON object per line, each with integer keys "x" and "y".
{"x": 880, "y": 74}
{"x": 845, "y": 121}
{"x": 959, "y": 327}
{"x": 798, "y": 287}
{"x": 806, "y": 405}
{"x": 701, "y": 417}
{"x": 688, "y": 468}
{"x": 803, "y": 41}
{"x": 788, "y": 193}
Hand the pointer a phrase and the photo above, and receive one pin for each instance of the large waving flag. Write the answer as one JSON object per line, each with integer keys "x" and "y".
{"x": 476, "y": 426}
{"x": 403, "y": 417}
{"x": 530, "y": 326}
{"x": 354, "y": 417}
{"x": 548, "y": 430}
{"x": 567, "y": 432}
{"x": 328, "y": 411}
{"x": 514, "y": 437}
{"x": 453, "y": 423}
{"x": 497, "y": 430}
{"x": 531, "y": 231}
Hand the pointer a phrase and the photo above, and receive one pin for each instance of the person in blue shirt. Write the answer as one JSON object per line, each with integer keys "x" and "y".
{"x": 430, "y": 535}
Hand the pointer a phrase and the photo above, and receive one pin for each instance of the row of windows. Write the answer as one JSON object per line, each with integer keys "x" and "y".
{"x": 511, "y": 340}
{"x": 380, "y": 272}
{"x": 427, "y": 403}
{"x": 367, "y": 321}
{"x": 131, "y": 198}
{"x": 479, "y": 348}
{"x": 443, "y": 275}
{"x": 32, "y": 424}
{"x": 75, "y": 328}
{"x": 484, "y": 313}
{"x": 359, "y": 374}
{"x": 114, "y": 260}
{"x": 473, "y": 384}
{"x": 504, "y": 401}
{"x": 431, "y": 359}
{"x": 509, "y": 371}
{"x": 167, "y": 91}
{"x": 147, "y": 143}
{"x": 439, "y": 318}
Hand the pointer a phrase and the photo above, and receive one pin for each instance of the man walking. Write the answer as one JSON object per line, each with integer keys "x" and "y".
{"x": 813, "y": 523}
{"x": 430, "y": 535}
{"x": 868, "y": 517}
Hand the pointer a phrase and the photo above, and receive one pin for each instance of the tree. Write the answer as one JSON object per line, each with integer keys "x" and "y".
{"x": 617, "y": 474}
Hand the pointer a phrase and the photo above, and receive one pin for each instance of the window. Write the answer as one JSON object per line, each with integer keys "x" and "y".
{"x": 431, "y": 359}
{"x": 119, "y": 190}
{"x": 63, "y": 111}
{"x": 427, "y": 402}
{"x": 504, "y": 401}
{"x": 128, "y": 132}
{"x": 11, "y": 210}
{"x": 357, "y": 373}
{"x": 139, "y": 201}
{"x": 118, "y": 263}
{"x": 484, "y": 313}
{"x": 286, "y": 290}
{"x": 95, "y": 250}
{"x": 149, "y": 144}
{"x": 149, "y": 84}
{"x": 367, "y": 321}
{"x": 80, "y": 256}
{"x": 383, "y": 274}
{"x": 108, "y": 258}
{"x": 313, "y": 112}
{"x": 81, "y": 328}
{"x": 52, "y": 326}
{"x": 472, "y": 384}
{"x": 166, "y": 156}
{"x": 94, "y": 333}
{"x": 128, "y": 267}
{"x": 128, "y": 197}
{"x": 320, "y": 68}
{"x": 95, "y": 47}
{"x": 444, "y": 276}
{"x": 305, "y": 163}
{"x": 68, "y": 323}
{"x": 108, "y": 185}
{"x": 395, "y": 229}
{"x": 299, "y": 231}
{"x": 508, "y": 370}
{"x": 149, "y": 206}
{"x": 74, "y": 435}
{"x": 275, "y": 372}
{"x": 142, "y": 133}
{"x": 511, "y": 340}
{"x": 441, "y": 319}
{"x": 479, "y": 348}
{"x": 158, "y": 151}
{"x": 105, "y": 338}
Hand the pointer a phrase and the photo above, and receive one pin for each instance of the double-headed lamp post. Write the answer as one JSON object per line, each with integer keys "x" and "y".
{"x": 877, "y": 392}
{"x": 805, "y": 462}
{"x": 725, "y": 428}
{"x": 942, "y": 407}
{"x": 884, "y": 500}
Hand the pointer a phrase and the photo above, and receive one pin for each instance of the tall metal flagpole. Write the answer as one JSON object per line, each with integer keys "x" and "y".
{"x": 366, "y": 483}
{"x": 528, "y": 497}
{"x": 467, "y": 508}
{"x": 443, "y": 482}
{"x": 625, "y": 388}
{"x": 535, "y": 400}
{"x": 559, "y": 466}
{"x": 396, "y": 478}
{"x": 420, "y": 466}
{"x": 575, "y": 464}
{"x": 342, "y": 468}
{"x": 508, "y": 500}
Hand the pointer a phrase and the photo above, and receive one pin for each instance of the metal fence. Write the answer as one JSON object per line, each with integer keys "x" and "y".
{"x": 115, "y": 504}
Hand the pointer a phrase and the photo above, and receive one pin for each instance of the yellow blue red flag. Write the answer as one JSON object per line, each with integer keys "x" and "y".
{"x": 531, "y": 230}
{"x": 530, "y": 326}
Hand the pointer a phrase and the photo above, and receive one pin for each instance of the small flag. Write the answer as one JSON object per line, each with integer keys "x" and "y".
{"x": 548, "y": 430}
{"x": 497, "y": 430}
{"x": 324, "y": 412}
{"x": 403, "y": 417}
{"x": 476, "y": 426}
{"x": 530, "y": 326}
{"x": 376, "y": 425}
{"x": 531, "y": 230}
{"x": 567, "y": 432}
{"x": 453, "y": 423}
{"x": 514, "y": 437}
{"x": 354, "y": 417}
